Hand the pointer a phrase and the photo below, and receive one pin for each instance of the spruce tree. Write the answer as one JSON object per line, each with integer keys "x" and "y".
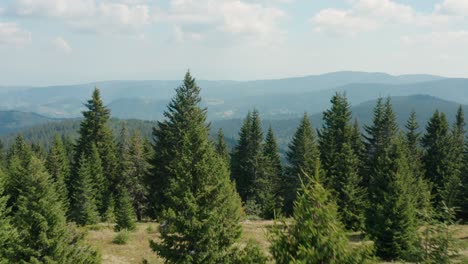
{"x": 415, "y": 155}
{"x": 41, "y": 223}
{"x": 8, "y": 234}
{"x": 94, "y": 130}
{"x": 124, "y": 212}
{"x": 302, "y": 155}
{"x": 58, "y": 166}
{"x": 221, "y": 147}
{"x": 247, "y": 156}
{"x": 341, "y": 163}
{"x": 458, "y": 138}
{"x": 440, "y": 161}
{"x": 125, "y": 164}
{"x": 98, "y": 179}
{"x": 201, "y": 210}
{"x": 19, "y": 156}
{"x": 315, "y": 234}
{"x": 391, "y": 215}
{"x": 83, "y": 202}
{"x": 137, "y": 189}
{"x": 275, "y": 170}
{"x": 391, "y": 219}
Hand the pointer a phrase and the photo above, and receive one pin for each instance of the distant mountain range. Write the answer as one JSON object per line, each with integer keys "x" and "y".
{"x": 275, "y": 99}
{"x": 41, "y": 129}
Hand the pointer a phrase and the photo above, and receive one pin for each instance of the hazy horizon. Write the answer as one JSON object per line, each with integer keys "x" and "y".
{"x": 51, "y": 42}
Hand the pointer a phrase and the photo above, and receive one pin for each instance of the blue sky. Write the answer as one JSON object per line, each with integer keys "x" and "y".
{"x": 45, "y": 42}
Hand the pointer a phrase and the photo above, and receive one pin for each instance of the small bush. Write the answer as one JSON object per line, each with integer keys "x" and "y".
{"x": 249, "y": 254}
{"x": 150, "y": 229}
{"x": 122, "y": 237}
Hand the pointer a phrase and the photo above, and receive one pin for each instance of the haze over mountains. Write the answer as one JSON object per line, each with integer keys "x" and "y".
{"x": 232, "y": 99}
{"x": 281, "y": 102}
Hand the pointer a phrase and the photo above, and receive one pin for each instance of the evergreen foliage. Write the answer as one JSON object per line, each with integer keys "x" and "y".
{"x": 221, "y": 147}
{"x": 341, "y": 162}
{"x": 391, "y": 216}
{"x": 83, "y": 204}
{"x": 94, "y": 130}
{"x": 302, "y": 155}
{"x": 247, "y": 157}
{"x": 8, "y": 234}
{"x": 315, "y": 234}
{"x": 58, "y": 166}
{"x": 201, "y": 211}
{"x": 440, "y": 161}
{"x": 125, "y": 214}
{"x": 140, "y": 167}
{"x": 41, "y": 223}
{"x": 391, "y": 219}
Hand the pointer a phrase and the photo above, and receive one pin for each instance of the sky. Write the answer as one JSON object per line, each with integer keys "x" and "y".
{"x": 47, "y": 42}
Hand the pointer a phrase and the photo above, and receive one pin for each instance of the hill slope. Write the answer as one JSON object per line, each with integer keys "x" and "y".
{"x": 228, "y": 98}
{"x": 424, "y": 106}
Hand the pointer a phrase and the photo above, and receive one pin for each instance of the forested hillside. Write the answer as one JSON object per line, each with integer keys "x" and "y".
{"x": 335, "y": 175}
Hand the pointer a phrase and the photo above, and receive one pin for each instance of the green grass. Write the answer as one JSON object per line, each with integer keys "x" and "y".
{"x": 137, "y": 247}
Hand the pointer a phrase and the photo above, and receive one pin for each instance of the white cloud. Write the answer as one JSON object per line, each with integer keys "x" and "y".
{"x": 232, "y": 17}
{"x": 455, "y": 7}
{"x": 90, "y": 15}
{"x": 369, "y": 15}
{"x": 342, "y": 22}
{"x": 443, "y": 40}
{"x": 10, "y": 33}
{"x": 61, "y": 45}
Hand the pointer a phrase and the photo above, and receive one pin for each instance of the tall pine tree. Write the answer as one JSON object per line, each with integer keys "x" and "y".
{"x": 41, "y": 223}
{"x": 58, "y": 167}
{"x": 302, "y": 156}
{"x": 315, "y": 235}
{"x": 440, "y": 161}
{"x": 94, "y": 130}
{"x": 391, "y": 215}
{"x": 247, "y": 156}
{"x": 221, "y": 147}
{"x": 83, "y": 208}
{"x": 201, "y": 210}
{"x": 139, "y": 162}
{"x": 8, "y": 234}
{"x": 341, "y": 162}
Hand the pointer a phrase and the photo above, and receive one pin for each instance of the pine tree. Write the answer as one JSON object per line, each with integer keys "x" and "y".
{"x": 391, "y": 219}
{"x": 83, "y": 204}
{"x": 274, "y": 201}
{"x": 391, "y": 215}
{"x": 315, "y": 234}
{"x": 94, "y": 130}
{"x": 302, "y": 155}
{"x": 341, "y": 163}
{"x": 21, "y": 150}
{"x": 98, "y": 180}
{"x": 139, "y": 161}
{"x": 271, "y": 151}
{"x": 247, "y": 156}
{"x": 124, "y": 212}
{"x": 200, "y": 219}
{"x": 378, "y": 135}
{"x": 458, "y": 138}
{"x": 413, "y": 138}
{"x": 58, "y": 167}
{"x": 8, "y": 234}
{"x": 41, "y": 223}
{"x": 440, "y": 161}
{"x": 19, "y": 156}
{"x": 221, "y": 147}
{"x": 125, "y": 164}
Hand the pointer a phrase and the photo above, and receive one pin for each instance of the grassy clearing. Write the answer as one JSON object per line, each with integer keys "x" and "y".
{"x": 137, "y": 247}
